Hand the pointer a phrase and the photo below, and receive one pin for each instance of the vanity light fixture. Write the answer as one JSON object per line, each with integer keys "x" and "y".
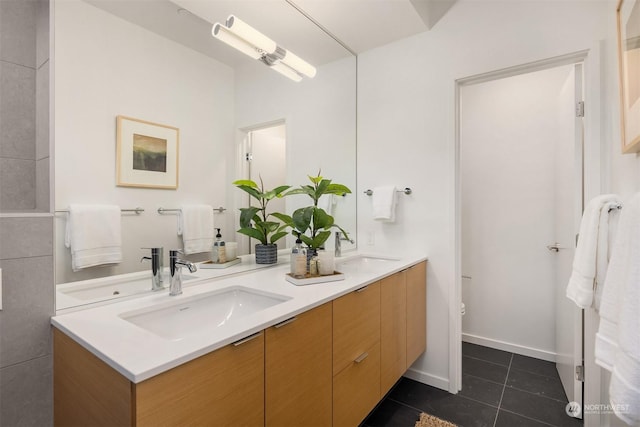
{"x": 251, "y": 42}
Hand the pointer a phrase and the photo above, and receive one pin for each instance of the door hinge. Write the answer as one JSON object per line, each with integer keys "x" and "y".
{"x": 580, "y": 109}
{"x": 248, "y": 157}
{"x": 580, "y": 373}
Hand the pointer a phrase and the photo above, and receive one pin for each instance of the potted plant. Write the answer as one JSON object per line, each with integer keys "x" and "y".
{"x": 311, "y": 222}
{"x": 256, "y": 223}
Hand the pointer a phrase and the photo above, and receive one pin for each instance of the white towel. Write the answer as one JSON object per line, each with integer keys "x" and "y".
{"x": 195, "y": 225}
{"x": 326, "y": 202}
{"x": 93, "y": 235}
{"x": 592, "y": 253}
{"x": 384, "y": 203}
{"x": 617, "y": 344}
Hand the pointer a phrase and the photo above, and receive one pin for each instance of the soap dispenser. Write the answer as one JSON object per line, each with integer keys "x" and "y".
{"x": 298, "y": 260}
{"x": 218, "y": 251}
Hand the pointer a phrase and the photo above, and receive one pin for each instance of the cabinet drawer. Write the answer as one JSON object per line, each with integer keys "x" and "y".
{"x": 356, "y": 325}
{"x": 356, "y": 390}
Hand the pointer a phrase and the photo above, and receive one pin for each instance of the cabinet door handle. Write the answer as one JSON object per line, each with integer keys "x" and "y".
{"x": 361, "y": 357}
{"x": 247, "y": 339}
{"x": 285, "y": 322}
{"x": 362, "y": 289}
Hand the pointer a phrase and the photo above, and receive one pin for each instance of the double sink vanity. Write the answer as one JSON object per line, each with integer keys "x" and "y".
{"x": 242, "y": 348}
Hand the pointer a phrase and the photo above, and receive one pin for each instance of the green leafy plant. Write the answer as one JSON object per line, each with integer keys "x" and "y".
{"x": 255, "y": 221}
{"x": 312, "y": 222}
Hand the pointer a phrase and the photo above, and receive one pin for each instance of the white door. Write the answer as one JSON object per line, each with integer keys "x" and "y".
{"x": 569, "y": 172}
{"x": 266, "y": 159}
{"x": 508, "y": 143}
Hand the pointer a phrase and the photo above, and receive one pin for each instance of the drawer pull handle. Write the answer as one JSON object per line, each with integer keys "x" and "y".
{"x": 361, "y": 357}
{"x": 362, "y": 289}
{"x": 285, "y": 322}
{"x": 247, "y": 339}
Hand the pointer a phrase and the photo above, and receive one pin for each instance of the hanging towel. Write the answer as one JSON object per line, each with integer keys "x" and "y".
{"x": 591, "y": 258}
{"x": 326, "y": 202}
{"x": 195, "y": 225}
{"x": 384, "y": 203}
{"x": 93, "y": 235}
{"x": 617, "y": 345}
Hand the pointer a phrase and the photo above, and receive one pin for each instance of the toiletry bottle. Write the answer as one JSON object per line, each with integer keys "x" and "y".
{"x": 219, "y": 252}
{"x": 298, "y": 260}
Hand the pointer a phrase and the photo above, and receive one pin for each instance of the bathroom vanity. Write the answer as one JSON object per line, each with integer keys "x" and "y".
{"x": 246, "y": 350}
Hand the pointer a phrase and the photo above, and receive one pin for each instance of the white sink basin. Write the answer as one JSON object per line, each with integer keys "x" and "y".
{"x": 176, "y": 319}
{"x": 114, "y": 289}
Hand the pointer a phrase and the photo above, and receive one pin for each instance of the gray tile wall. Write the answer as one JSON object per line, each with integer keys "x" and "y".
{"x": 26, "y": 260}
{"x": 26, "y": 242}
{"x": 24, "y": 104}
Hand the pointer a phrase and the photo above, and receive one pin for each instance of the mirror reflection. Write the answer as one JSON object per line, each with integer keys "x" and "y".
{"x": 157, "y": 62}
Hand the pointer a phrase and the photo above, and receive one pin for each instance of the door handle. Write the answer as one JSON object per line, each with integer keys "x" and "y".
{"x": 555, "y": 247}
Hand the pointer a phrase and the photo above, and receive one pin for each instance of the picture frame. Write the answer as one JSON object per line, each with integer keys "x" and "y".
{"x": 628, "y": 23}
{"x": 146, "y": 154}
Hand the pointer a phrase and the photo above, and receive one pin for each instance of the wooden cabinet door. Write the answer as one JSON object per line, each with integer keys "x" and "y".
{"x": 393, "y": 329}
{"x": 356, "y": 325}
{"x": 356, "y": 389}
{"x": 416, "y": 311}
{"x": 298, "y": 370}
{"x": 87, "y": 391}
{"x": 222, "y": 388}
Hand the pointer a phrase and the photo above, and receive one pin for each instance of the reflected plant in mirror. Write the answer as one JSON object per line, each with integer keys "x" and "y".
{"x": 255, "y": 221}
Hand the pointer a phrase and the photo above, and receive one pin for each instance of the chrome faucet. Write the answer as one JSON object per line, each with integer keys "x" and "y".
{"x": 156, "y": 268}
{"x": 175, "y": 272}
{"x": 339, "y": 240}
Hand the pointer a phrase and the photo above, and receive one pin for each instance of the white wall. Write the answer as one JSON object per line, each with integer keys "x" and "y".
{"x": 509, "y": 134}
{"x": 104, "y": 67}
{"x": 406, "y": 130}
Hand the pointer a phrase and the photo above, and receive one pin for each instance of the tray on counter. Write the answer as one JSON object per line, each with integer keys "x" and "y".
{"x": 310, "y": 280}
{"x": 211, "y": 264}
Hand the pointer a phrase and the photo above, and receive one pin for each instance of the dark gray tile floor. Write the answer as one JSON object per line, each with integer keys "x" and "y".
{"x": 499, "y": 389}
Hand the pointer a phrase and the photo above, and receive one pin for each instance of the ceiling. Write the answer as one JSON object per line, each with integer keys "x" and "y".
{"x": 359, "y": 25}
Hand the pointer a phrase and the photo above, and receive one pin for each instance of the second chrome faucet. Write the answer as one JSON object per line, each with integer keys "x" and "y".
{"x": 175, "y": 272}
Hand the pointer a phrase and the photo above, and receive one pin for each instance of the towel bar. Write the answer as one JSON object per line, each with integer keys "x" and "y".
{"x": 163, "y": 210}
{"x": 138, "y": 211}
{"x": 407, "y": 191}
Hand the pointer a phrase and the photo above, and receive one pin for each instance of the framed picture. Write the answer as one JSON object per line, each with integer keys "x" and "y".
{"x": 147, "y": 154}
{"x": 628, "y": 17}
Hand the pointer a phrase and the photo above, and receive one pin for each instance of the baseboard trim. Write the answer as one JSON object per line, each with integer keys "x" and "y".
{"x": 426, "y": 378}
{"x": 513, "y": 348}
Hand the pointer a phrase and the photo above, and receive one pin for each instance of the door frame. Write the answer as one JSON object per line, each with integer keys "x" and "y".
{"x": 592, "y": 185}
{"x": 242, "y": 168}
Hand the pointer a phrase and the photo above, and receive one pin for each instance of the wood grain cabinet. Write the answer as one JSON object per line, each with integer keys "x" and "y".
{"x": 393, "y": 329}
{"x": 298, "y": 370}
{"x": 356, "y": 355}
{"x": 222, "y": 388}
{"x": 416, "y": 311}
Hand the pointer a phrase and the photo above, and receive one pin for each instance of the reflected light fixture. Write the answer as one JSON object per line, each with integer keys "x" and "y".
{"x": 251, "y": 42}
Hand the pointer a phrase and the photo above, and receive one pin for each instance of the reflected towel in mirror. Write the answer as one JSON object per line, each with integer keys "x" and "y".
{"x": 195, "y": 225}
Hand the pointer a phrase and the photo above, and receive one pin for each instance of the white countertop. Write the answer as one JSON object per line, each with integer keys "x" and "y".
{"x": 139, "y": 354}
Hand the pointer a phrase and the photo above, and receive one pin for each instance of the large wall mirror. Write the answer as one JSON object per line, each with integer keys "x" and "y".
{"x": 157, "y": 61}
